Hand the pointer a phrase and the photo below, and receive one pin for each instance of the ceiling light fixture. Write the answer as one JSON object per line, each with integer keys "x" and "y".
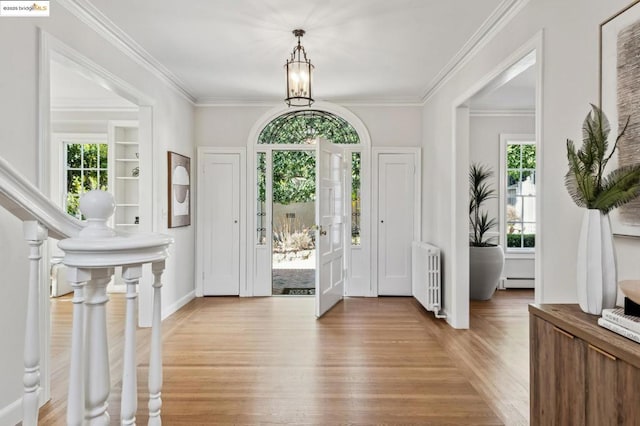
{"x": 299, "y": 71}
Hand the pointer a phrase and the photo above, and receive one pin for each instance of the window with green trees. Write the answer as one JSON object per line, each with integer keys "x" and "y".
{"x": 294, "y": 171}
{"x": 520, "y": 195}
{"x": 86, "y": 168}
{"x": 303, "y": 126}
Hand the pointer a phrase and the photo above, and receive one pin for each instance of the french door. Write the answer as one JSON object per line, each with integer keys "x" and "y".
{"x": 330, "y": 220}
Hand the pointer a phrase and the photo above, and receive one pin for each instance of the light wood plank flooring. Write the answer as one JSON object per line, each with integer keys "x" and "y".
{"x": 368, "y": 361}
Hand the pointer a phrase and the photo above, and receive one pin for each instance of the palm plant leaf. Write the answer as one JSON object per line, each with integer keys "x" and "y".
{"x": 480, "y": 190}
{"x": 618, "y": 188}
{"x": 574, "y": 178}
{"x": 584, "y": 180}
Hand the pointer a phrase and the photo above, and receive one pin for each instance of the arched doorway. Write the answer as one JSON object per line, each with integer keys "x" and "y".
{"x": 282, "y": 191}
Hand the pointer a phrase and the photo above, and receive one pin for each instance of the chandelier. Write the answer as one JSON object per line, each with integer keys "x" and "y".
{"x": 298, "y": 70}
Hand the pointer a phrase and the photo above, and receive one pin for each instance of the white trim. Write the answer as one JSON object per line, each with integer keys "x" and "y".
{"x": 211, "y": 101}
{"x": 93, "y": 105}
{"x": 500, "y": 17}
{"x": 347, "y": 115}
{"x": 12, "y": 413}
{"x": 506, "y": 112}
{"x": 417, "y": 211}
{"x": 459, "y": 257}
{"x": 459, "y": 273}
{"x": 517, "y": 138}
{"x": 100, "y": 23}
{"x": 200, "y": 218}
{"x": 253, "y": 147}
{"x": 58, "y": 166}
{"x": 54, "y": 49}
{"x": 523, "y": 255}
{"x": 175, "y": 306}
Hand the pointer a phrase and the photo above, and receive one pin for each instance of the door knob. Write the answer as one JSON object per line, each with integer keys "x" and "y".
{"x": 235, "y": 221}
{"x": 322, "y": 231}
{"x": 382, "y": 221}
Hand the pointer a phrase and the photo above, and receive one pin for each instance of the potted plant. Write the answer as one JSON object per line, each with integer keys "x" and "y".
{"x": 486, "y": 259}
{"x": 589, "y": 188}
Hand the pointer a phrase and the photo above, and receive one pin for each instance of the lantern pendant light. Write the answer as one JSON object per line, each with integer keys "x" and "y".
{"x": 299, "y": 71}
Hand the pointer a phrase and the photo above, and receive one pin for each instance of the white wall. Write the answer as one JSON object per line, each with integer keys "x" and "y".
{"x": 173, "y": 130}
{"x": 230, "y": 126}
{"x": 87, "y": 121}
{"x": 570, "y": 73}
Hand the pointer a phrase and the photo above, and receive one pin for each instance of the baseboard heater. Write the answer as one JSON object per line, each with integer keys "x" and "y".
{"x": 426, "y": 277}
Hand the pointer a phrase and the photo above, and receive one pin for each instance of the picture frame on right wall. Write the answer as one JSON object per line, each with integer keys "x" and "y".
{"x": 620, "y": 100}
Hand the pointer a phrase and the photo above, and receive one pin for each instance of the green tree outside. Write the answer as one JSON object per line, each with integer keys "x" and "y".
{"x": 86, "y": 169}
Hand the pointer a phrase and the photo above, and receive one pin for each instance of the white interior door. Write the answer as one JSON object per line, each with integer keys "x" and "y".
{"x": 396, "y": 198}
{"x": 330, "y": 218}
{"x": 220, "y": 182}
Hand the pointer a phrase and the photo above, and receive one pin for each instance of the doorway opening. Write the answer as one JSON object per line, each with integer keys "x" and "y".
{"x": 497, "y": 129}
{"x": 293, "y": 231}
{"x": 286, "y": 216}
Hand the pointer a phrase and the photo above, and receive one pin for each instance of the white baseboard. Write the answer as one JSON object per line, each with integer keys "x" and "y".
{"x": 11, "y": 415}
{"x": 174, "y": 307}
{"x": 519, "y": 283}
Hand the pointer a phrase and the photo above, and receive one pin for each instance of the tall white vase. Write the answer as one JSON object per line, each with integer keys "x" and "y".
{"x": 597, "y": 277}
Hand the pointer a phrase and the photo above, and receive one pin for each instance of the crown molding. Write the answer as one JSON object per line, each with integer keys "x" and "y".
{"x": 95, "y": 19}
{"x": 206, "y": 102}
{"x": 500, "y": 17}
{"x": 212, "y": 101}
{"x": 505, "y": 112}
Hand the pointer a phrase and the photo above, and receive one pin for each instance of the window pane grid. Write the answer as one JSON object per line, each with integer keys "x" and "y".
{"x": 261, "y": 169}
{"x": 355, "y": 199}
{"x": 520, "y": 195}
{"x": 86, "y": 168}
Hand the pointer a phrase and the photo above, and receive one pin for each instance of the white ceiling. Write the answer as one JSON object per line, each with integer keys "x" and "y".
{"x": 364, "y": 50}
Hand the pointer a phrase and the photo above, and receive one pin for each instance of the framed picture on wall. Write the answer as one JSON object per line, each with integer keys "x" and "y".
{"x": 179, "y": 184}
{"x": 620, "y": 100}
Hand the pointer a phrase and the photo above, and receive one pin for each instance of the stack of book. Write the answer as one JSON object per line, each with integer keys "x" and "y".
{"x": 625, "y": 325}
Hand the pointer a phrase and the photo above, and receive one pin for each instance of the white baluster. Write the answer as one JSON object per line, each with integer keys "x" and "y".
{"x": 155, "y": 360}
{"x": 75, "y": 400}
{"x": 35, "y": 235}
{"x": 129, "y": 404}
{"x": 97, "y": 379}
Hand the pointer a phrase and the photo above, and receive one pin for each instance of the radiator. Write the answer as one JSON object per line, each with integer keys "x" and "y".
{"x": 426, "y": 278}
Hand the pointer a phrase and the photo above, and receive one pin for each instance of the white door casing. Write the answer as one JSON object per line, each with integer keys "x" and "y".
{"x": 398, "y": 219}
{"x": 219, "y": 220}
{"x": 259, "y": 255}
{"x": 330, "y": 220}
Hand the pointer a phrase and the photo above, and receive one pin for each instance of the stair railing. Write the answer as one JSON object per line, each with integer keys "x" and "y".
{"x": 92, "y": 252}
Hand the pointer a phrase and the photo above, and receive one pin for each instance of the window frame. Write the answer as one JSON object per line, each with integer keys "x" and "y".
{"x": 58, "y": 165}
{"x": 505, "y": 140}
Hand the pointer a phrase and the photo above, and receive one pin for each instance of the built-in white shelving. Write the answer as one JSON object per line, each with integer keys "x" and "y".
{"x": 126, "y": 158}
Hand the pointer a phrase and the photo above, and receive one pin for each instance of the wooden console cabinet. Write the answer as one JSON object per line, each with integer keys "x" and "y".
{"x": 581, "y": 373}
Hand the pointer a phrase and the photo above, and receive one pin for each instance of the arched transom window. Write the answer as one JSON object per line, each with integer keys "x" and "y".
{"x": 303, "y": 126}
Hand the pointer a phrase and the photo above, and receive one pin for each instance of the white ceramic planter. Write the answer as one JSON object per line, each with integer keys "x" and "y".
{"x": 596, "y": 274}
{"x": 485, "y": 268}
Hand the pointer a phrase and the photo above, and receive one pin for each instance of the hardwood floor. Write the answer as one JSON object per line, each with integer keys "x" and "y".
{"x": 368, "y": 361}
